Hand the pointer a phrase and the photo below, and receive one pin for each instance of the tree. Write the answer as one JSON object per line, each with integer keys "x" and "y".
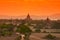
{"x": 23, "y": 29}
{"x": 6, "y": 29}
{"x": 56, "y": 25}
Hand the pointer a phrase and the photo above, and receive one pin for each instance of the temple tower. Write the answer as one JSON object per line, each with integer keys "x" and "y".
{"x": 48, "y": 23}
{"x": 28, "y": 19}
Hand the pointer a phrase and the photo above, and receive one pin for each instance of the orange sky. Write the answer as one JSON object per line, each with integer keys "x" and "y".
{"x": 36, "y": 8}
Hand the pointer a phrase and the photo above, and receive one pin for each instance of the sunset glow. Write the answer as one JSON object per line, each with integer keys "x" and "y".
{"x": 36, "y": 8}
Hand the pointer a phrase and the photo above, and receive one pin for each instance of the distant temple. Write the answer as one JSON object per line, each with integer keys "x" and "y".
{"x": 28, "y": 18}
{"x": 48, "y": 23}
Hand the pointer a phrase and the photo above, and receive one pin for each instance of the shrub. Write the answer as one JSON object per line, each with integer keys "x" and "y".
{"x": 49, "y": 36}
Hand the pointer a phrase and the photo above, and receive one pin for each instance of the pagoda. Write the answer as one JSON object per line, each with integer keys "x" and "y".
{"x": 28, "y": 19}
{"x": 48, "y": 23}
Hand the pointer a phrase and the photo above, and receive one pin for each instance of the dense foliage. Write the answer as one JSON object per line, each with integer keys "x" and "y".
{"x": 56, "y": 25}
{"x": 6, "y": 29}
{"x": 24, "y": 29}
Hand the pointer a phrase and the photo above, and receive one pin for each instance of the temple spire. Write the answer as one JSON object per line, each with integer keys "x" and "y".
{"x": 28, "y": 16}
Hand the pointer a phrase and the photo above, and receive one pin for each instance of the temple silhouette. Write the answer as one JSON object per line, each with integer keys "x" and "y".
{"x": 28, "y": 20}
{"x": 43, "y": 25}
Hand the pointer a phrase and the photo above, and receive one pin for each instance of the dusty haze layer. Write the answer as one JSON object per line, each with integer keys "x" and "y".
{"x": 36, "y": 8}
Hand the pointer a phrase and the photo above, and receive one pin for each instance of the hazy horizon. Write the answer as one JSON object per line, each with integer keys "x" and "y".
{"x": 38, "y": 9}
{"x": 32, "y": 17}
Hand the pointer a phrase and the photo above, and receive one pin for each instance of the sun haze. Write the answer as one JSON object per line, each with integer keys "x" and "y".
{"x": 36, "y": 8}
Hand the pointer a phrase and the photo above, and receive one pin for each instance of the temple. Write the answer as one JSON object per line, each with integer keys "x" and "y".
{"x": 28, "y": 18}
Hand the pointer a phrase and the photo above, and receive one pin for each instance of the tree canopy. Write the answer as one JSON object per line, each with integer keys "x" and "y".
{"x": 24, "y": 29}
{"x": 56, "y": 25}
